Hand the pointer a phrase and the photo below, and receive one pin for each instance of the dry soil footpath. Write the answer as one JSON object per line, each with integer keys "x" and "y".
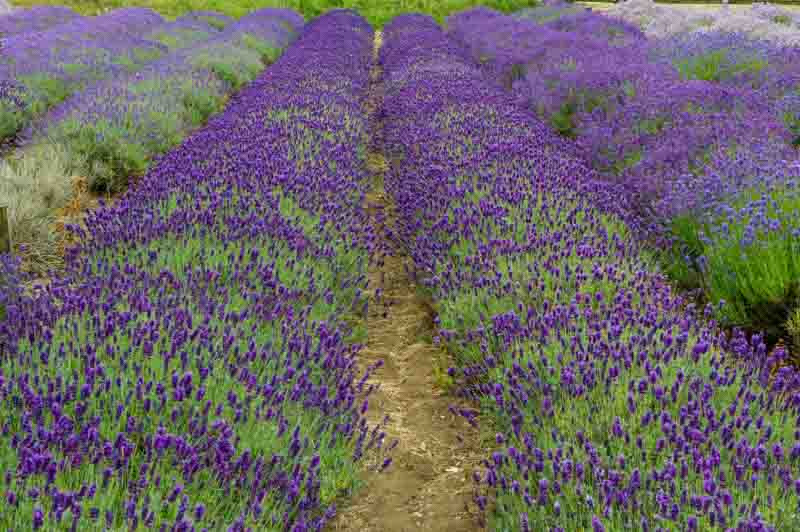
{"x": 428, "y": 486}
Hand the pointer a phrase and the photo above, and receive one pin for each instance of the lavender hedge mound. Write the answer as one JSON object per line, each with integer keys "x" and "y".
{"x": 216, "y": 20}
{"x": 775, "y": 23}
{"x": 195, "y": 369}
{"x": 115, "y": 127}
{"x": 700, "y": 128}
{"x": 617, "y": 407}
{"x": 50, "y": 65}
{"x": 181, "y": 34}
{"x": 35, "y": 19}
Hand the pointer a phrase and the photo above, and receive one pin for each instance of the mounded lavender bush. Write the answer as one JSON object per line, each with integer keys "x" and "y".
{"x": 617, "y": 406}
{"x": 34, "y": 19}
{"x": 52, "y": 64}
{"x": 763, "y": 21}
{"x": 195, "y": 368}
{"x": 117, "y": 126}
{"x": 688, "y": 124}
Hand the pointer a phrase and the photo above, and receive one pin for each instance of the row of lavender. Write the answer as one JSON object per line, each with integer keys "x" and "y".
{"x": 37, "y": 18}
{"x": 778, "y": 23}
{"x": 195, "y": 369}
{"x": 40, "y": 68}
{"x": 615, "y": 404}
{"x": 117, "y": 126}
{"x": 699, "y": 126}
{"x": 125, "y": 87}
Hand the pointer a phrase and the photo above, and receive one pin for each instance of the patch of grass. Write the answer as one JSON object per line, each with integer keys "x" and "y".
{"x": 178, "y": 37}
{"x": 111, "y": 156}
{"x": 793, "y": 329}
{"x": 378, "y": 13}
{"x": 214, "y": 22}
{"x": 43, "y": 92}
{"x": 235, "y": 65}
{"x": 11, "y": 119}
{"x": 269, "y": 53}
{"x": 563, "y": 120}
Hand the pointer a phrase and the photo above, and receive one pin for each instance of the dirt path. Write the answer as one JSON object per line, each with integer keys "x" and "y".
{"x": 428, "y": 487}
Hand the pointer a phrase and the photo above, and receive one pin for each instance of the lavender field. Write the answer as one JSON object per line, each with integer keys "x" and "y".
{"x": 520, "y": 271}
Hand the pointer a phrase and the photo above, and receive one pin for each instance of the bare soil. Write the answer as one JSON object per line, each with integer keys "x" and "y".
{"x": 429, "y": 484}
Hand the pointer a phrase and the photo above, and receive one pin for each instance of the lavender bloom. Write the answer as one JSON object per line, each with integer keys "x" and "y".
{"x": 197, "y": 359}
{"x": 610, "y": 387}
{"x": 52, "y": 64}
{"x": 691, "y": 126}
{"x": 119, "y": 125}
{"x": 34, "y": 19}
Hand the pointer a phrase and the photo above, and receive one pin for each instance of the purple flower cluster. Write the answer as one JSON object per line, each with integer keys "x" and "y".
{"x": 739, "y": 61}
{"x": 53, "y": 63}
{"x": 621, "y": 97}
{"x": 616, "y": 402}
{"x": 133, "y": 117}
{"x": 694, "y": 126}
{"x": 35, "y": 19}
{"x": 195, "y": 370}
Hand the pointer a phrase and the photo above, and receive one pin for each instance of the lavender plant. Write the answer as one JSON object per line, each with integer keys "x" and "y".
{"x": 117, "y": 126}
{"x": 761, "y": 20}
{"x": 52, "y": 64}
{"x": 195, "y": 367}
{"x": 616, "y": 405}
{"x": 35, "y": 19}
{"x": 685, "y": 124}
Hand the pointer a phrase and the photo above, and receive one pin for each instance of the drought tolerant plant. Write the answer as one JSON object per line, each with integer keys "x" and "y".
{"x": 686, "y": 124}
{"x": 50, "y": 65}
{"x": 617, "y": 406}
{"x": 377, "y": 13}
{"x": 736, "y": 60}
{"x": 35, "y": 185}
{"x": 744, "y": 246}
{"x": 117, "y": 126}
{"x": 195, "y": 366}
{"x": 35, "y": 19}
{"x": 770, "y": 22}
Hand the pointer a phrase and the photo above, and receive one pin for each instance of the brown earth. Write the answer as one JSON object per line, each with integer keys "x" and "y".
{"x": 429, "y": 484}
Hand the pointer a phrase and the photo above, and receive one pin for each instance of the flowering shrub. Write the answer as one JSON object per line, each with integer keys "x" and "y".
{"x": 54, "y": 63}
{"x": 687, "y": 124}
{"x": 38, "y": 18}
{"x": 118, "y": 125}
{"x": 195, "y": 367}
{"x": 773, "y": 23}
{"x": 616, "y": 407}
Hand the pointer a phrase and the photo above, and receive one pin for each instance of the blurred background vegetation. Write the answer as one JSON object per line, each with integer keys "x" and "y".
{"x": 378, "y": 12}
